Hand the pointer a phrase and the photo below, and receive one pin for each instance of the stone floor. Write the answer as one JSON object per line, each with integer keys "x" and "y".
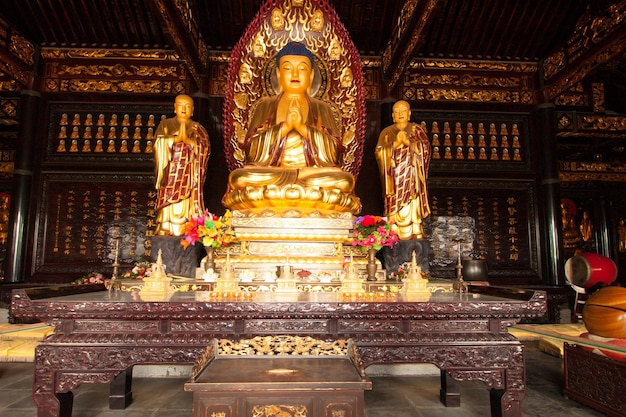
{"x": 397, "y": 396}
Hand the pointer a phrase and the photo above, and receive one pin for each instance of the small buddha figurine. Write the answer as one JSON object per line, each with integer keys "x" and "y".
{"x": 100, "y": 133}
{"x": 493, "y": 143}
{"x": 76, "y": 121}
{"x": 62, "y": 133}
{"x": 436, "y": 154}
{"x": 446, "y": 140}
{"x": 435, "y": 141}
{"x": 458, "y": 129}
{"x": 470, "y": 153}
{"x": 470, "y": 128}
{"x": 137, "y": 121}
{"x": 61, "y": 147}
{"x": 481, "y": 128}
{"x": 136, "y": 147}
{"x": 459, "y": 153}
{"x": 137, "y": 133}
{"x": 503, "y": 129}
{"x": 492, "y": 129}
{"x": 505, "y": 154}
{"x": 494, "y": 154}
{"x": 505, "y": 142}
{"x": 481, "y": 141}
{"x": 446, "y": 127}
{"x": 459, "y": 141}
{"x": 150, "y": 134}
{"x": 124, "y": 134}
{"x": 149, "y": 147}
{"x": 435, "y": 128}
{"x": 86, "y": 146}
{"x": 87, "y": 134}
{"x": 516, "y": 143}
{"x": 124, "y": 147}
{"x": 482, "y": 154}
{"x": 621, "y": 232}
{"x": 517, "y": 155}
{"x": 112, "y": 133}
{"x": 63, "y": 121}
{"x": 74, "y": 134}
{"x": 514, "y": 129}
{"x": 447, "y": 153}
{"x": 126, "y": 120}
{"x": 89, "y": 120}
{"x": 74, "y": 146}
{"x": 470, "y": 140}
{"x": 111, "y": 147}
{"x": 99, "y": 147}
{"x": 150, "y": 120}
{"x": 113, "y": 121}
{"x": 100, "y": 121}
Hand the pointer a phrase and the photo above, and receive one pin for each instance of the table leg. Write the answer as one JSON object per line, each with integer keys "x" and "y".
{"x": 450, "y": 391}
{"x": 66, "y": 403}
{"x": 120, "y": 390}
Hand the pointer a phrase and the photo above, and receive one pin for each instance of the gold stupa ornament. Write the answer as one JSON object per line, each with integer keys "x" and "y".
{"x": 351, "y": 282}
{"x": 227, "y": 281}
{"x": 287, "y": 281}
{"x": 414, "y": 284}
{"x": 156, "y": 287}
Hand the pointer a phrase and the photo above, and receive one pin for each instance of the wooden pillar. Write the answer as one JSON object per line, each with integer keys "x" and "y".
{"x": 548, "y": 204}
{"x": 22, "y": 182}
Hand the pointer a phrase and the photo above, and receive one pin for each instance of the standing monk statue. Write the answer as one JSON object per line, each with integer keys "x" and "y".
{"x": 181, "y": 152}
{"x": 403, "y": 156}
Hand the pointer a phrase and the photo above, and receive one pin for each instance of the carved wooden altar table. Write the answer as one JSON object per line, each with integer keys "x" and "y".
{"x": 100, "y": 336}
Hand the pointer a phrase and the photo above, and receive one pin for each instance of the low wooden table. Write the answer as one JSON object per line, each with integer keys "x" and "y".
{"x": 595, "y": 380}
{"x": 231, "y": 384}
{"x": 99, "y": 337}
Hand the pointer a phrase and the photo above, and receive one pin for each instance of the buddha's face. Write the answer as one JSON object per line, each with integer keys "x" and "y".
{"x": 183, "y": 107}
{"x": 295, "y": 74}
{"x": 401, "y": 112}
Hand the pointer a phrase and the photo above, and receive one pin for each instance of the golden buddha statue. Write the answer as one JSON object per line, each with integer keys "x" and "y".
{"x": 293, "y": 147}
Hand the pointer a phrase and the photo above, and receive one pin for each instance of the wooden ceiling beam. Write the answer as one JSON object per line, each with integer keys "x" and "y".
{"x": 596, "y": 41}
{"x": 407, "y": 36}
{"x": 184, "y": 35}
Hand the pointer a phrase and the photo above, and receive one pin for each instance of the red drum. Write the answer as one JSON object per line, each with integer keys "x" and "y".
{"x": 588, "y": 269}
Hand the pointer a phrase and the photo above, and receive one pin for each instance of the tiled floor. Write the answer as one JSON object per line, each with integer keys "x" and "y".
{"x": 391, "y": 396}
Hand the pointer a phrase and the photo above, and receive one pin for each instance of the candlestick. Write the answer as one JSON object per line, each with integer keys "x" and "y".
{"x": 116, "y": 263}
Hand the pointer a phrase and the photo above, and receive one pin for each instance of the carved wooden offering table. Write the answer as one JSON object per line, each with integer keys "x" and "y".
{"x": 99, "y": 337}
{"x": 292, "y": 375}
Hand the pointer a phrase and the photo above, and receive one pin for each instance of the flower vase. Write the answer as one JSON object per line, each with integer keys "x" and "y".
{"x": 371, "y": 265}
{"x": 209, "y": 263}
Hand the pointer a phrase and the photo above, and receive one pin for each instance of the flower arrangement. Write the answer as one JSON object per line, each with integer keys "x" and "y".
{"x": 402, "y": 272}
{"x": 141, "y": 270}
{"x": 398, "y": 275}
{"x": 91, "y": 278}
{"x": 373, "y": 232}
{"x": 209, "y": 229}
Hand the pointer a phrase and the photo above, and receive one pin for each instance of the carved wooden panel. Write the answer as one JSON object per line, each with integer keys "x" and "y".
{"x": 81, "y": 216}
{"x": 483, "y": 219}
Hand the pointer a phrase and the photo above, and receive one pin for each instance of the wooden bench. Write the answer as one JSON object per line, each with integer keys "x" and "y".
{"x": 279, "y": 375}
